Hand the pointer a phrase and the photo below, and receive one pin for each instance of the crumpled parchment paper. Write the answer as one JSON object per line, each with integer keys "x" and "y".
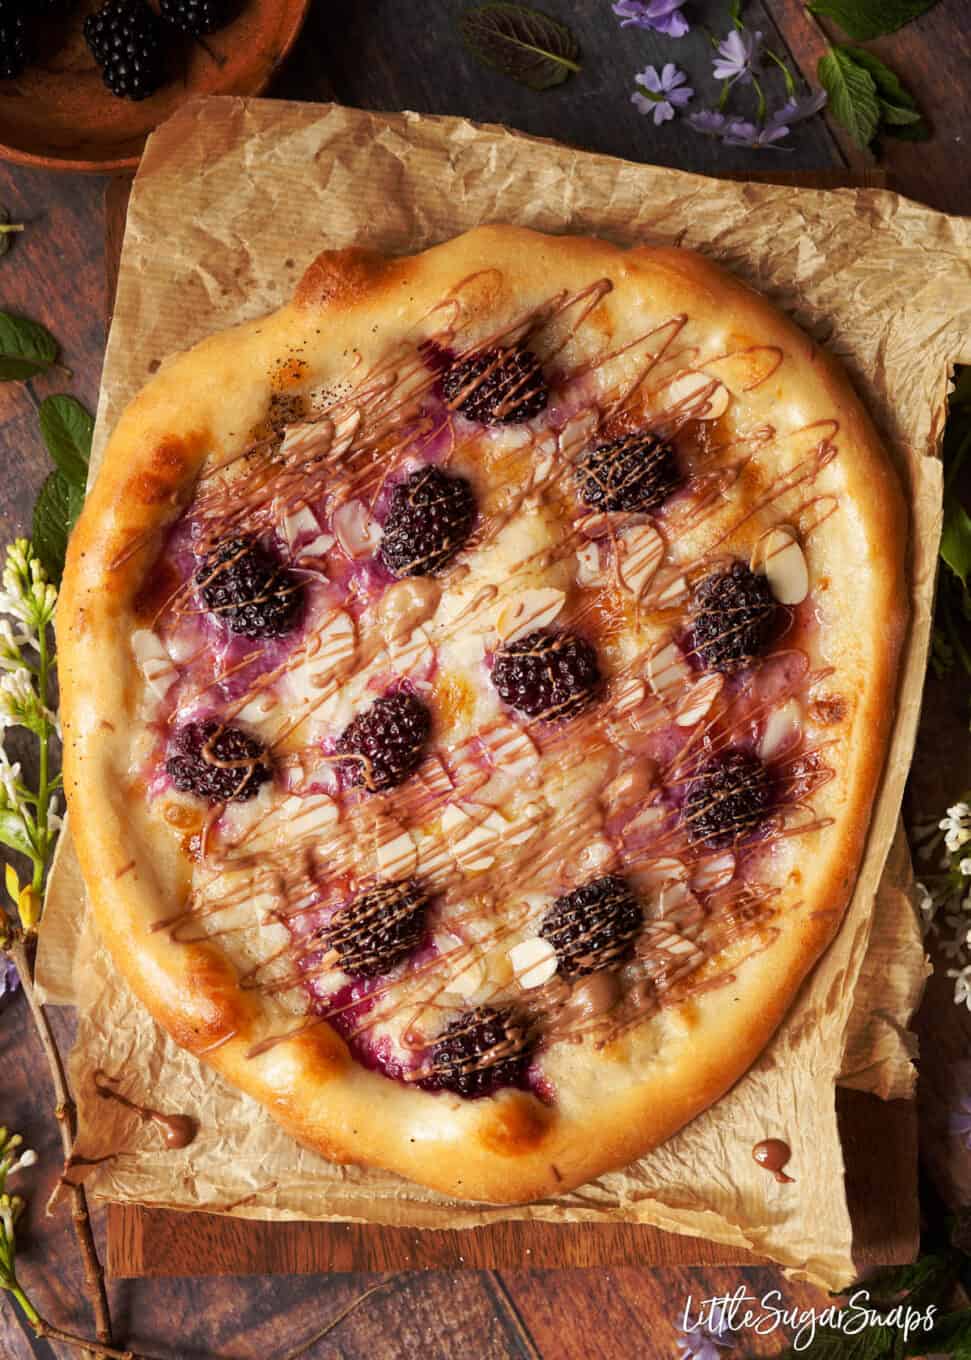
{"x": 232, "y": 201}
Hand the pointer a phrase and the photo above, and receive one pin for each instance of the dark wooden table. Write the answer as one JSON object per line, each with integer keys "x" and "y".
{"x": 391, "y": 54}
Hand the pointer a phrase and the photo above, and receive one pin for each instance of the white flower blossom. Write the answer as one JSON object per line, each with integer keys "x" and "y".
{"x": 965, "y": 867}
{"x": 9, "y": 777}
{"x": 956, "y": 826}
{"x": 926, "y": 906}
{"x": 962, "y": 985}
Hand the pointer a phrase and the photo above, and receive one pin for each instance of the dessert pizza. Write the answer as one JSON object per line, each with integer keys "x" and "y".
{"x": 477, "y": 676}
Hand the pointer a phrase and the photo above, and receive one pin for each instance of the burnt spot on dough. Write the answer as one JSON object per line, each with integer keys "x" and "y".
{"x": 341, "y": 276}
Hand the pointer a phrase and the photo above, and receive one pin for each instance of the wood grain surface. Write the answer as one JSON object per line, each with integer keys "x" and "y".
{"x": 402, "y": 54}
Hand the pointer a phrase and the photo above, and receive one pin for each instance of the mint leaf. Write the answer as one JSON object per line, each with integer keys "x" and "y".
{"x": 522, "y": 43}
{"x": 852, "y": 94}
{"x": 956, "y": 539}
{"x": 67, "y": 429}
{"x": 26, "y": 348}
{"x": 55, "y": 514}
{"x": 898, "y": 107}
{"x": 865, "y": 19}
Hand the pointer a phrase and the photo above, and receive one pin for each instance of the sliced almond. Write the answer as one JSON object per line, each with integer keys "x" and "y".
{"x": 357, "y": 533}
{"x": 675, "y": 897}
{"x": 258, "y": 708}
{"x": 646, "y": 820}
{"x": 317, "y": 546}
{"x": 528, "y": 610}
{"x": 694, "y": 703}
{"x": 576, "y": 434}
{"x": 307, "y": 439}
{"x": 779, "y": 555}
{"x": 628, "y": 694}
{"x": 698, "y": 395}
{"x": 672, "y": 593}
{"x": 512, "y": 750}
{"x": 468, "y": 979}
{"x": 662, "y": 871}
{"x": 714, "y": 872}
{"x": 639, "y": 552}
{"x": 398, "y": 857}
{"x": 667, "y": 669}
{"x": 153, "y": 661}
{"x": 589, "y": 572}
{"x": 782, "y": 729}
{"x": 533, "y": 962}
{"x": 299, "y": 521}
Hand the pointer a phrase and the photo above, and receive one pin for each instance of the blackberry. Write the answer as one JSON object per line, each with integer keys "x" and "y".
{"x": 480, "y": 1051}
{"x": 13, "y": 39}
{"x": 378, "y": 929}
{"x": 385, "y": 742}
{"x": 734, "y": 618}
{"x": 592, "y": 927}
{"x": 727, "y": 799}
{"x": 497, "y": 386}
{"x": 429, "y": 519}
{"x": 547, "y": 675}
{"x": 218, "y": 763}
{"x": 125, "y": 38}
{"x": 635, "y": 472}
{"x": 249, "y": 589}
{"x": 198, "y": 16}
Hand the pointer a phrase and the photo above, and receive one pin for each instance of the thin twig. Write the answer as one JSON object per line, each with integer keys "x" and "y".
{"x": 336, "y": 1321}
{"x": 22, "y": 952}
{"x": 48, "y": 1332}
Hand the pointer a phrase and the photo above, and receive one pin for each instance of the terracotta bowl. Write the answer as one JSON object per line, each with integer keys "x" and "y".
{"x": 60, "y": 115}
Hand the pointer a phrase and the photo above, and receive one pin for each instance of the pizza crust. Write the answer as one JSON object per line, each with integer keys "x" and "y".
{"x": 612, "y": 1105}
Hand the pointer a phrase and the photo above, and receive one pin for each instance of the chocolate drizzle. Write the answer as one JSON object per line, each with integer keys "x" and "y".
{"x": 178, "y": 1130}
{"x": 774, "y": 1154}
{"x": 354, "y": 445}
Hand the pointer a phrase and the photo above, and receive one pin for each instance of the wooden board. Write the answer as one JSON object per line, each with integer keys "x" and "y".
{"x": 157, "y": 1242}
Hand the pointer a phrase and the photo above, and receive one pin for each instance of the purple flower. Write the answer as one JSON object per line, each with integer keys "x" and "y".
{"x": 663, "y": 16}
{"x": 709, "y": 121}
{"x": 739, "y": 132}
{"x": 738, "y": 56}
{"x": 795, "y": 110}
{"x": 959, "y": 1122}
{"x": 666, "y": 91}
{"x": 9, "y": 981}
{"x": 703, "y": 1343}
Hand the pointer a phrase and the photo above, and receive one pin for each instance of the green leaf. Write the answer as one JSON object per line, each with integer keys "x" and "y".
{"x": 852, "y": 94}
{"x": 26, "y": 348}
{"x": 522, "y": 43}
{"x": 865, "y": 19}
{"x": 956, "y": 539}
{"x": 829, "y": 1343}
{"x": 55, "y": 514}
{"x": 67, "y": 429}
{"x": 951, "y": 1336}
{"x": 897, "y": 105}
{"x": 13, "y": 835}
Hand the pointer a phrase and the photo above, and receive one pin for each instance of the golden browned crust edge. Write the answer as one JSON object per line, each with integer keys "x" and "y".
{"x": 508, "y": 1148}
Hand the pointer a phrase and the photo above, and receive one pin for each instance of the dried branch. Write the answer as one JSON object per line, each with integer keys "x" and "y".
{"x": 22, "y": 950}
